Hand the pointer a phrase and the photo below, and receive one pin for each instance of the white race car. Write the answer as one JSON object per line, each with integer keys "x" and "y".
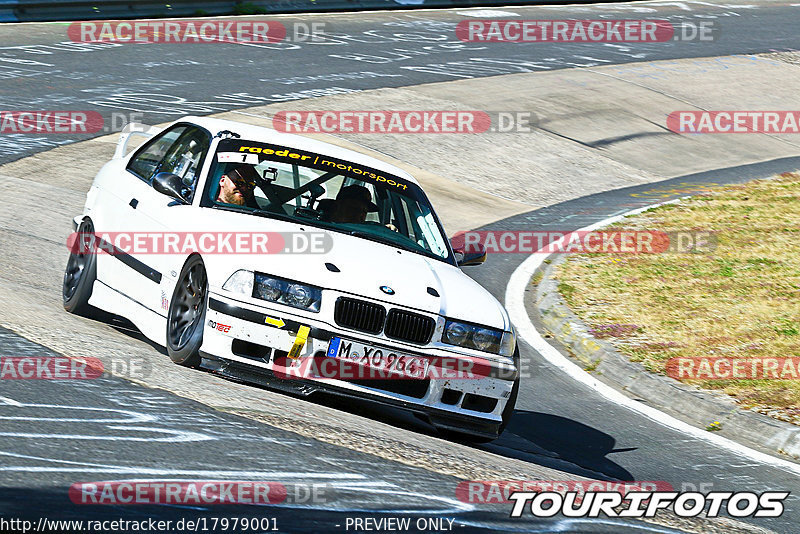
{"x": 277, "y": 259}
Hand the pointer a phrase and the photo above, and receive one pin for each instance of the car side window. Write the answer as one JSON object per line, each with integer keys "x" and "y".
{"x": 145, "y": 162}
{"x": 185, "y": 157}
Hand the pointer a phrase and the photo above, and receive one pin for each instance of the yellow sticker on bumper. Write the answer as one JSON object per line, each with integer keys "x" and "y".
{"x": 278, "y": 323}
{"x": 299, "y": 342}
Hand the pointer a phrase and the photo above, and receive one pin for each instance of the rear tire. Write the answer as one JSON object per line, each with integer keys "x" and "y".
{"x": 187, "y": 314}
{"x": 81, "y": 270}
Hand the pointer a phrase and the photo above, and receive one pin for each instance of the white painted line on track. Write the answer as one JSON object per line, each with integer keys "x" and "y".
{"x": 211, "y": 474}
{"x": 134, "y": 417}
{"x": 10, "y": 402}
{"x": 486, "y": 13}
{"x": 515, "y": 304}
{"x": 169, "y": 435}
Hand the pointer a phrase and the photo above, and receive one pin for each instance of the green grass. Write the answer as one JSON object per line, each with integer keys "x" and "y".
{"x": 741, "y": 300}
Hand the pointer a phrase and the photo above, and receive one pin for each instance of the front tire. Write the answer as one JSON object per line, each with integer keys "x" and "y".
{"x": 508, "y": 411}
{"x": 81, "y": 270}
{"x": 187, "y": 313}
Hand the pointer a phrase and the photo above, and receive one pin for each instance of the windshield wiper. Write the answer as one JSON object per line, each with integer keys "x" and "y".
{"x": 258, "y": 213}
{"x": 272, "y": 215}
{"x": 386, "y": 241}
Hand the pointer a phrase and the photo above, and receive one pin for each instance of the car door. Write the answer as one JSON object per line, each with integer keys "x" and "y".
{"x": 160, "y": 214}
{"x": 115, "y": 214}
{"x": 136, "y": 272}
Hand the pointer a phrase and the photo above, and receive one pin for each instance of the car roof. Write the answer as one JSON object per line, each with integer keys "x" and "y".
{"x": 268, "y": 135}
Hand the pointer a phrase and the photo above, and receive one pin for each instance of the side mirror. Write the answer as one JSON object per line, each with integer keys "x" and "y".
{"x": 171, "y": 185}
{"x": 474, "y": 256}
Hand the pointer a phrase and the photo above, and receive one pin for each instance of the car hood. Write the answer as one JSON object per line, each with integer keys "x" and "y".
{"x": 361, "y": 267}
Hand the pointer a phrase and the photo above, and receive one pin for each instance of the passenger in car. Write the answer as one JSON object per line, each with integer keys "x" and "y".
{"x": 353, "y": 202}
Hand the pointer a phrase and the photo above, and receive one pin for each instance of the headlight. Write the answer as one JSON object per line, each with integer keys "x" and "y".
{"x": 299, "y": 295}
{"x": 274, "y": 289}
{"x": 484, "y": 339}
{"x": 456, "y": 333}
{"x": 287, "y": 292}
{"x": 478, "y": 337}
{"x": 240, "y": 282}
{"x": 268, "y": 288}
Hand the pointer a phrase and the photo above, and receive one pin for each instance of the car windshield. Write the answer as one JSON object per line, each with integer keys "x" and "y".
{"x": 310, "y": 188}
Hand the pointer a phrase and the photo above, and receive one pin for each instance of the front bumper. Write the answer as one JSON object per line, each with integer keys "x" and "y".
{"x": 250, "y": 343}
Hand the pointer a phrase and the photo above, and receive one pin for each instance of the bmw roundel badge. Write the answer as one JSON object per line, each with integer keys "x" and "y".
{"x": 388, "y": 290}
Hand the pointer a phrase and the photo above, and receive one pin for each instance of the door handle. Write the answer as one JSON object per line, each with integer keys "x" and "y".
{"x": 133, "y": 203}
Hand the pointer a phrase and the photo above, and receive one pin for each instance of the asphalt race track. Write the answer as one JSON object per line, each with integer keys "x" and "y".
{"x": 54, "y": 434}
{"x": 41, "y": 66}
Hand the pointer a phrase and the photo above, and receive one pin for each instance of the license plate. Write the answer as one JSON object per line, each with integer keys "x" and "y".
{"x": 381, "y": 361}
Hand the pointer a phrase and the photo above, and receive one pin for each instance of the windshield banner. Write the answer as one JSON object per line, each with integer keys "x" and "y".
{"x": 283, "y": 154}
